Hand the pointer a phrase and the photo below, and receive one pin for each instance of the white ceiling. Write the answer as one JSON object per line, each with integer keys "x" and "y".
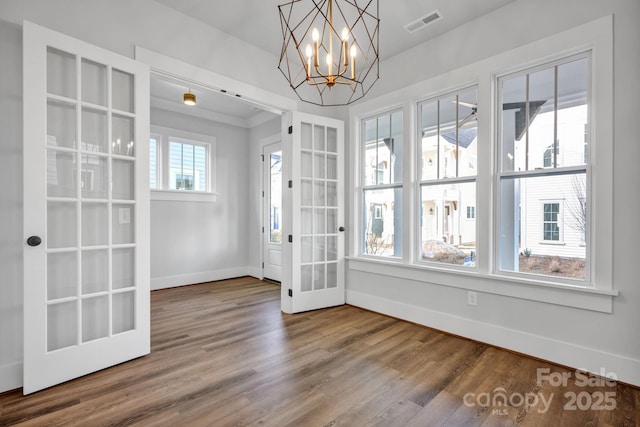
{"x": 258, "y": 22}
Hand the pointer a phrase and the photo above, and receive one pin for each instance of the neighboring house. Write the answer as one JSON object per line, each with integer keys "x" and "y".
{"x": 553, "y": 208}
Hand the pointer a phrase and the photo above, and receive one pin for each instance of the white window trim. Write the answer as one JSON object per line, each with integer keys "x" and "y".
{"x": 560, "y": 221}
{"x": 596, "y": 36}
{"x": 163, "y": 135}
{"x": 362, "y": 187}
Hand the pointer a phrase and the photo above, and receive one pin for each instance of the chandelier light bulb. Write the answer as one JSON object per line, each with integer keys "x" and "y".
{"x": 309, "y": 51}
{"x": 345, "y": 34}
{"x": 315, "y": 35}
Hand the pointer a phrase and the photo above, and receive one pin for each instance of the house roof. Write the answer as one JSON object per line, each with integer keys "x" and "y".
{"x": 465, "y": 136}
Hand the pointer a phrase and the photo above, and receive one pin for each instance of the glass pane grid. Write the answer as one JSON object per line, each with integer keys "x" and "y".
{"x": 84, "y": 304}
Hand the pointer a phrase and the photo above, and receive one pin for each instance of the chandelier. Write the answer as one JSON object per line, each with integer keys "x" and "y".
{"x": 330, "y": 49}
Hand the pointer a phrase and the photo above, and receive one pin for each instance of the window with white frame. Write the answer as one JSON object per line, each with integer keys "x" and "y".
{"x": 187, "y": 165}
{"x": 551, "y": 222}
{"x": 181, "y": 163}
{"x": 543, "y": 169}
{"x": 447, "y": 151}
{"x": 382, "y": 148}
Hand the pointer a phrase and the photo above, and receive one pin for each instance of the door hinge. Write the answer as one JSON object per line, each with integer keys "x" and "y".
{"x": 290, "y": 238}
{"x": 263, "y": 229}
{"x": 291, "y": 292}
{"x": 290, "y": 130}
{"x": 262, "y": 155}
{"x": 263, "y": 265}
{"x": 290, "y": 184}
{"x": 263, "y": 194}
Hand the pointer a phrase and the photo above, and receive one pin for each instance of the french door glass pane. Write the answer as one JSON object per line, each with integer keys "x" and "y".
{"x": 62, "y": 275}
{"x": 122, "y": 138}
{"x": 61, "y": 174}
{"x": 94, "y": 224}
{"x": 123, "y": 312}
{"x": 94, "y": 82}
{"x": 275, "y": 197}
{"x": 123, "y": 91}
{"x": 95, "y": 271}
{"x": 61, "y": 124}
{"x": 94, "y": 131}
{"x": 123, "y": 260}
{"x": 62, "y": 325}
{"x": 332, "y": 275}
{"x": 123, "y": 179}
{"x": 306, "y": 140}
{"x": 61, "y": 225}
{"x": 93, "y": 176}
{"x": 61, "y": 73}
{"x": 306, "y": 277}
{"x": 318, "y": 138}
{"x": 95, "y": 318}
{"x": 123, "y": 219}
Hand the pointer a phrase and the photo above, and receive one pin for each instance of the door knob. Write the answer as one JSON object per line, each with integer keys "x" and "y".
{"x": 34, "y": 241}
{"x": 341, "y": 229}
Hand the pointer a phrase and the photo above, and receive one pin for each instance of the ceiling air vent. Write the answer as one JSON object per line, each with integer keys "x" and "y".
{"x": 420, "y": 23}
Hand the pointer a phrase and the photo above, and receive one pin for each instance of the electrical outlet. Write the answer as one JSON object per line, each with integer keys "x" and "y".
{"x": 472, "y": 298}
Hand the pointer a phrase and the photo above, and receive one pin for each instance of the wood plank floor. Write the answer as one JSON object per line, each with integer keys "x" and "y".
{"x": 223, "y": 354}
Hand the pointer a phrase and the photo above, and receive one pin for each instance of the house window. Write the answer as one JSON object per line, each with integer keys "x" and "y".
{"x": 544, "y": 118}
{"x": 382, "y": 148}
{"x": 548, "y": 158}
{"x": 187, "y": 165}
{"x": 181, "y": 163}
{"x": 448, "y": 130}
{"x": 153, "y": 162}
{"x": 471, "y": 212}
{"x": 551, "y": 222}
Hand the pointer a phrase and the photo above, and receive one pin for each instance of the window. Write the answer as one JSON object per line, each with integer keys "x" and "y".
{"x": 187, "y": 165}
{"x": 551, "y": 221}
{"x": 181, "y": 163}
{"x": 471, "y": 212}
{"x": 543, "y": 169}
{"x": 153, "y": 162}
{"x": 382, "y": 148}
{"x": 447, "y": 150}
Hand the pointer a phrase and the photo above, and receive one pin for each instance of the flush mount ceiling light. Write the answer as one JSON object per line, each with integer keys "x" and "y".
{"x": 330, "y": 49}
{"x": 189, "y": 98}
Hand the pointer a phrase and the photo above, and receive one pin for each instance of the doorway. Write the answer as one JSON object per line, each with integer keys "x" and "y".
{"x": 272, "y": 211}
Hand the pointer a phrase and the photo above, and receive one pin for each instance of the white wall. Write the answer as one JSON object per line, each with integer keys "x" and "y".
{"x": 195, "y": 242}
{"x": 576, "y": 337}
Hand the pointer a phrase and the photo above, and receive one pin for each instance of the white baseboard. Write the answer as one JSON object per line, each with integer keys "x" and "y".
{"x": 10, "y": 376}
{"x": 255, "y": 272}
{"x": 589, "y": 359}
{"x": 200, "y": 277}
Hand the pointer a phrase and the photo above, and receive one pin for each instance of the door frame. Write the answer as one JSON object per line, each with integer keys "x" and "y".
{"x": 273, "y": 139}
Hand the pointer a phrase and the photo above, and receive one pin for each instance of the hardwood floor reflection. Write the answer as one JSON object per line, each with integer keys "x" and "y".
{"x": 223, "y": 354}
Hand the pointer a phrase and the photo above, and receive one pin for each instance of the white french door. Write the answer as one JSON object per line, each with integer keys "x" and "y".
{"x": 313, "y": 195}
{"x": 86, "y": 208}
{"x": 272, "y": 208}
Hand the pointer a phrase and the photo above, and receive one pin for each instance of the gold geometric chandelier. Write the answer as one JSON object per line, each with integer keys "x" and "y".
{"x": 330, "y": 49}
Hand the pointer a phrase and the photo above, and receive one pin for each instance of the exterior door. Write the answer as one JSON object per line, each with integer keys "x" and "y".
{"x": 313, "y": 261}
{"x": 86, "y": 208}
{"x": 272, "y": 201}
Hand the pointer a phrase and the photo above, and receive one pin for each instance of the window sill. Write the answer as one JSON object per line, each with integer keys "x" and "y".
{"x": 552, "y": 243}
{"x": 183, "y": 196}
{"x": 594, "y": 299}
